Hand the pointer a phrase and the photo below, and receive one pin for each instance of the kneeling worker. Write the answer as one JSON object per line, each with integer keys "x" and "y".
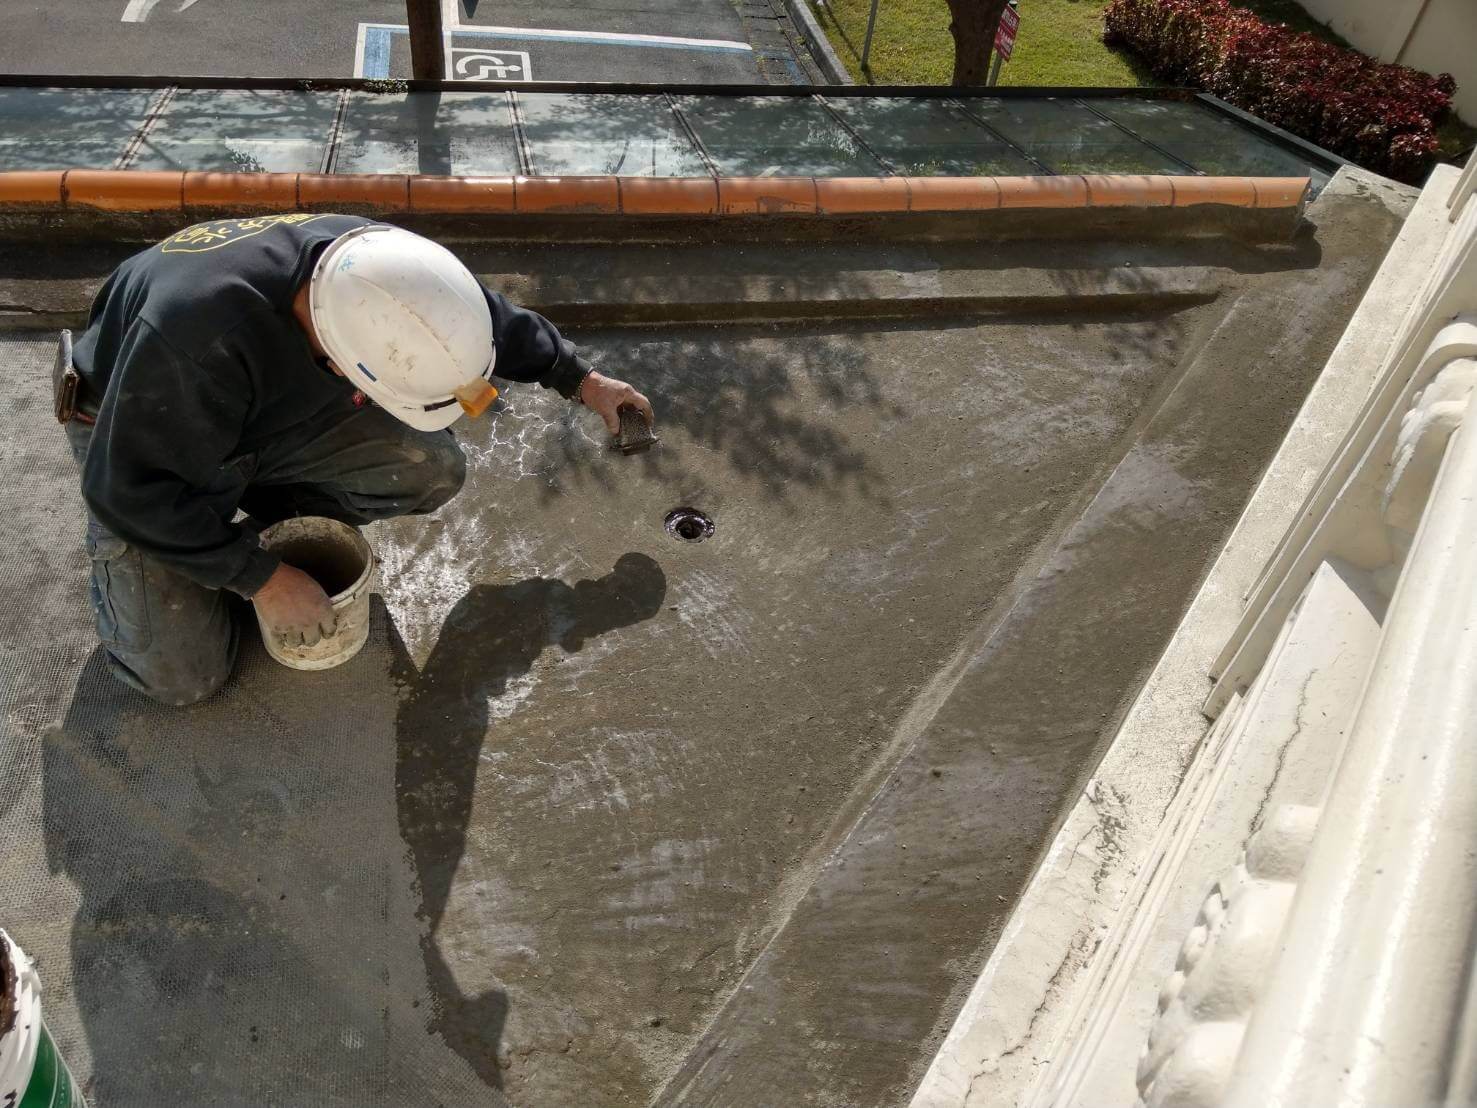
{"x": 279, "y": 366}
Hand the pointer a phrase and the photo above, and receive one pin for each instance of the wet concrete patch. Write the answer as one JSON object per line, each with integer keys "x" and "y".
{"x": 610, "y": 829}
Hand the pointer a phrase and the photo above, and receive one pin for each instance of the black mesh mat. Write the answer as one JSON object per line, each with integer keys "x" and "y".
{"x": 219, "y": 898}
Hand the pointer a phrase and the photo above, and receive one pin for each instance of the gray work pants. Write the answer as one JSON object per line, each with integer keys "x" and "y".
{"x": 175, "y": 640}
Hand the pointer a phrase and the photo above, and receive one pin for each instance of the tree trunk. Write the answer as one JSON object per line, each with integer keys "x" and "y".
{"x": 427, "y": 57}
{"x": 973, "y": 26}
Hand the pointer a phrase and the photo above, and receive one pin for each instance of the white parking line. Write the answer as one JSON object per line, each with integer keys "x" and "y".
{"x": 451, "y": 18}
{"x": 611, "y": 38}
{"x": 137, "y": 10}
{"x": 359, "y": 49}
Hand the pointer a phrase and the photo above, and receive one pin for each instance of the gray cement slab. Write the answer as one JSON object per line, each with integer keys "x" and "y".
{"x": 599, "y": 812}
{"x": 849, "y": 999}
{"x": 271, "y": 38}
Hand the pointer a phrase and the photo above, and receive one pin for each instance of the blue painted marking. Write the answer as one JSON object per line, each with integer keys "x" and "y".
{"x": 377, "y": 52}
{"x": 377, "y": 45}
{"x": 366, "y": 372}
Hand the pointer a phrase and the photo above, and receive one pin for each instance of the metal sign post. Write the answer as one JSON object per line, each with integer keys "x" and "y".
{"x": 867, "y": 43}
{"x": 1005, "y": 31}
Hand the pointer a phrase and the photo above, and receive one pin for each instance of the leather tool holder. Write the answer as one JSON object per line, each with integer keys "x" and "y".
{"x": 66, "y": 383}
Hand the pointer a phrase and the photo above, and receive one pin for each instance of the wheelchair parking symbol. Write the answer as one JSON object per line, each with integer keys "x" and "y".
{"x": 481, "y": 64}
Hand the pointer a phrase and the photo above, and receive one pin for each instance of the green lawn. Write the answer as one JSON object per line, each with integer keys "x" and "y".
{"x": 1060, "y": 43}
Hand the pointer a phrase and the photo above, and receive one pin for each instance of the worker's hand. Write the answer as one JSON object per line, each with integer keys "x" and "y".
{"x": 607, "y": 396}
{"x": 294, "y": 607}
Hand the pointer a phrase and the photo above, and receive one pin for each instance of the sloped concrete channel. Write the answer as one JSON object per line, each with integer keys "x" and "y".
{"x": 601, "y": 816}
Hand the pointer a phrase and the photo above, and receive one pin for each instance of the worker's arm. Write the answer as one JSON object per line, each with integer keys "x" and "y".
{"x": 530, "y": 348}
{"x": 157, "y": 473}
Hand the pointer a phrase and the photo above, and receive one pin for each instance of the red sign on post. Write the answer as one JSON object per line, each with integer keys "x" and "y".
{"x": 1010, "y": 22}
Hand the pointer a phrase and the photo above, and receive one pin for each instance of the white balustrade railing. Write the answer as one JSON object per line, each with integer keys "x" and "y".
{"x": 1331, "y": 960}
{"x": 1367, "y": 998}
{"x": 1299, "y": 928}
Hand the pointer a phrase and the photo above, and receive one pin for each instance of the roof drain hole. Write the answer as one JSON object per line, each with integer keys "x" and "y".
{"x": 689, "y": 524}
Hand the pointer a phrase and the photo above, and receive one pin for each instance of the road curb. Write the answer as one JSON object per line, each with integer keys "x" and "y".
{"x": 81, "y": 191}
{"x": 821, "y": 50}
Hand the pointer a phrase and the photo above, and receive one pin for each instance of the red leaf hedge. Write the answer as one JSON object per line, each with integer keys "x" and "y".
{"x": 1381, "y": 116}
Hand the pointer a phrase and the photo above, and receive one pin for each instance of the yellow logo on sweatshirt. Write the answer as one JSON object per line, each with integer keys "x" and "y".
{"x": 223, "y": 232}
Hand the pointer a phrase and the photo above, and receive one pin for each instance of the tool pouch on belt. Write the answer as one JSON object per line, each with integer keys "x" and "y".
{"x": 66, "y": 383}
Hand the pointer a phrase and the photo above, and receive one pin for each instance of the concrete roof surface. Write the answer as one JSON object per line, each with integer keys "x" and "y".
{"x": 604, "y": 817}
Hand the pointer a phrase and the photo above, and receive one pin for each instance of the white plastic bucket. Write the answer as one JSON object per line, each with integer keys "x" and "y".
{"x": 32, "y": 1073}
{"x": 338, "y": 558}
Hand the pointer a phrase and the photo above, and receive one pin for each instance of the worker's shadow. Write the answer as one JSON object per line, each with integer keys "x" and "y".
{"x": 245, "y": 928}
{"x": 493, "y": 636}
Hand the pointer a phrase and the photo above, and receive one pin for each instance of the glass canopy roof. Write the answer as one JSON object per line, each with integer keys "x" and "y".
{"x": 640, "y": 133}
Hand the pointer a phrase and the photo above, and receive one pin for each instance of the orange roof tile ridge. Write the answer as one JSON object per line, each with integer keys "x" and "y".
{"x": 176, "y": 190}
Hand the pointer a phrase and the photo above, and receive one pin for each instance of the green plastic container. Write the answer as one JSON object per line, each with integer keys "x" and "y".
{"x": 32, "y": 1073}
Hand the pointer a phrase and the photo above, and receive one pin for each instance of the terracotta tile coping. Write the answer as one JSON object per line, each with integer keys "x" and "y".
{"x": 134, "y": 191}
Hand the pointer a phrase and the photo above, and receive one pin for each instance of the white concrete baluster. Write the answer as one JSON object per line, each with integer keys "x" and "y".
{"x": 1371, "y": 979}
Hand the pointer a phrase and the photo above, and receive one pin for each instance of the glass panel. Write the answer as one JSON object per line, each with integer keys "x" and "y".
{"x": 597, "y": 133}
{"x": 66, "y": 128}
{"x": 240, "y": 130}
{"x": 929, "y": 137}
{"x": 1209, "y": 141}
{"x": 428, "y": 132}
{"x": 1069, "y": 138}
{"x": 775, "y": 136}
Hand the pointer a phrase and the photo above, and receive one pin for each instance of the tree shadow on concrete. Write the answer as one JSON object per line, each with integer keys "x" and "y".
{"x": 427, "y": 132}
{"x": 69, "y": 128}
{"x": 200, "y": 129}
{"x": 213, "y": 129}
{"x": 931, "y": 137}
{"x": 595, "y": 133}
{"x": 779, "y": 136}
{"x": 774, "y": 410}
{"x": 493, "y": 636}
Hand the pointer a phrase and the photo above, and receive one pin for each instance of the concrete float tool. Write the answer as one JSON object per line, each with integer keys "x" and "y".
{"x": 635, "y": 435}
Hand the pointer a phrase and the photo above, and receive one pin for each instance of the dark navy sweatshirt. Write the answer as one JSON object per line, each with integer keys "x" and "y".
{"x": 194, "y": 359}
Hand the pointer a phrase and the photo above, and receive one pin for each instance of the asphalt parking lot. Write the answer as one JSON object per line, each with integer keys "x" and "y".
{"x": 686, "y": 41}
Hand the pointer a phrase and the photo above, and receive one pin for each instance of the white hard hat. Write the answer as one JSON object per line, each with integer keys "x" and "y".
{"x": 406, "y": 322}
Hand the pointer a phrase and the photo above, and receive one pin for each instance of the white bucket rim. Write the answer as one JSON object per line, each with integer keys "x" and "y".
{"x": 19, "y": 1045}
{"x": 352, "y": 603}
